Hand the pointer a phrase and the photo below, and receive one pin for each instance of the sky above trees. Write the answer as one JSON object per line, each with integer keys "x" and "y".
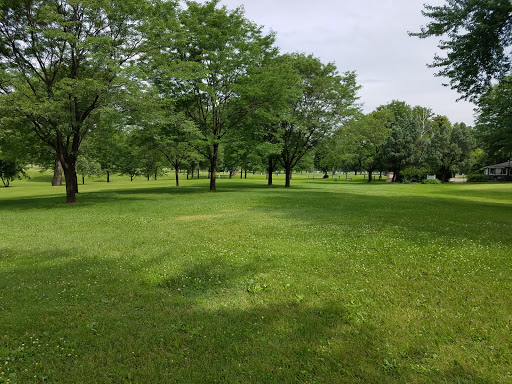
{"x": 369, "y": 37}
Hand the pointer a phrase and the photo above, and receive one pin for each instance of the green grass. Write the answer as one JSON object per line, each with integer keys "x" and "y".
{"x": 324, "y": 282}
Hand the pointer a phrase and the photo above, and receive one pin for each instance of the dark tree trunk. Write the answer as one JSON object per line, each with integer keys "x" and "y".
{"x": 288, "y": 173}
{"x": 242, "y": 173}
{"x": 370, "y": 176}
{"x": 83, "y": 180}
{"x": 269, "y": 171}
{"x": 156, "y": 172}
{"x": 197, "y": 173}
{"x": 192, "y": 174}
{"x": 71, "y": 180}
{"x": 445, "y": 175}
{"x": 108, "y": 176}
{"x": 148, "y": 176}
{"x": 213, "y": 166}
{"x": 57, "y": 174}
{"x": 177, "y": 172}
{"x": 245, "y": 176}
{"x": 131, "y": 177}
{"x": 188, "y": 173}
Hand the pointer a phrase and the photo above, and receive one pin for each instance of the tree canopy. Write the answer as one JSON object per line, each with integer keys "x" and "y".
{"x": 61, "y": 62}
{"x": 477, "y": 41}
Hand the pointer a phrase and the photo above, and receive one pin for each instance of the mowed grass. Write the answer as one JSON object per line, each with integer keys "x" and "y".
{"x": 324, "y": 282}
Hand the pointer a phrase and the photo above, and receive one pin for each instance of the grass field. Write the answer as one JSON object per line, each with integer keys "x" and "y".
{"x": 324, "y": 282}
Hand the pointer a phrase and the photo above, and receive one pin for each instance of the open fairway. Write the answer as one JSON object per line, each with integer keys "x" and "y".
{"x": 324, "y": 282}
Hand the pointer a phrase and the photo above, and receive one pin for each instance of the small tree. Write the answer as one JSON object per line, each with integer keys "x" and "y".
{"x": 450, "y": 148}
{"x": 11, "y": 170}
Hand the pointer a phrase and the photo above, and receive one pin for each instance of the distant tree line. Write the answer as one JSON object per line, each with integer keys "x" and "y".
{"x": 134, "y": 87}
{"x": 411, "y": 142}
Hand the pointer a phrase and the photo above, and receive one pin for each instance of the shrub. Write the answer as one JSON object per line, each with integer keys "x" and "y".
{"x": 476, "y": 178}
{"x": 413, "y": 174}
{"x": 431, "y": 181}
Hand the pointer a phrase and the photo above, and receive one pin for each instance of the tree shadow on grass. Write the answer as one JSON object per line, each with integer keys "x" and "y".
{"x": 110, "y": 196}
{"x": 69, "y": 318}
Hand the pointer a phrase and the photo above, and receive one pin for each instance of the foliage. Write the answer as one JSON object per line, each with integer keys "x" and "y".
{"x": 494, "y": 120}
{"x": 215, "y": 69}
{"x": 476, "y": 178}
{"x": 415, "y": 174}
{"x": 326, "y": 101}
{"x": 431, "y": 181}
{"x": 11, "y": 170}
{"x": 401, "y": 148}
{"x": 86, "y": 166}
{"x": 478, "y": 161}
{"x": 62, "y": 62}
{"x": 479, "y": 38}
{"x": 363, "y": 139}
{"x": 450, "y": 148}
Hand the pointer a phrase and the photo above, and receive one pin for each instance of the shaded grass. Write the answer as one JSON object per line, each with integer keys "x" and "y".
{"x": 324, "y": 282}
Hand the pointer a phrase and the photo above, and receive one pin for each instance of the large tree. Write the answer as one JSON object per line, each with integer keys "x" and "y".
{"x": 61, "y": 62}
{"x": 325, "y": 101}
{"x": 402, "y": 148}
{"x": 478, "y": 41}
{"x": 214, "y": 67}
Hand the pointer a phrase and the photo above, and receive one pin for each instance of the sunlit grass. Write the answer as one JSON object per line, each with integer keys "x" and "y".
{"x": 324, "y": 282}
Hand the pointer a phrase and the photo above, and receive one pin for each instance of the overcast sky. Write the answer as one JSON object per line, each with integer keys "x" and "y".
{"x": 369, "y": 37}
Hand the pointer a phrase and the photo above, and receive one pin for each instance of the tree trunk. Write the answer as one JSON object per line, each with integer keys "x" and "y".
{"x": 370, "y": 177}
{"x": 71, "y": 181}
{"x": 83, "y": 180}
{"x": 156, "y": 172}
{"x": 198, "y": 173}
{"x": 188, "y": 173}
{"x": 242, "y": 173}
{"x": 270, "y": 170}
{"x": 57, "y": 174}
{"x": 213, "y": 166}
{"x": 245, "y": 174}
{"x": 288, "y": 172}
{"x": 177, "y": 172}
{"x": 108, "y": 176}
{"x": 192, "y": 174}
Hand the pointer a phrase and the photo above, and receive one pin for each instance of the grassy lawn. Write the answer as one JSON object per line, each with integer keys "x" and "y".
{"x": 324, "y": 282}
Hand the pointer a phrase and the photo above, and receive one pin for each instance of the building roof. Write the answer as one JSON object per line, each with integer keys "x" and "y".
{"x": 506, "y": 164}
